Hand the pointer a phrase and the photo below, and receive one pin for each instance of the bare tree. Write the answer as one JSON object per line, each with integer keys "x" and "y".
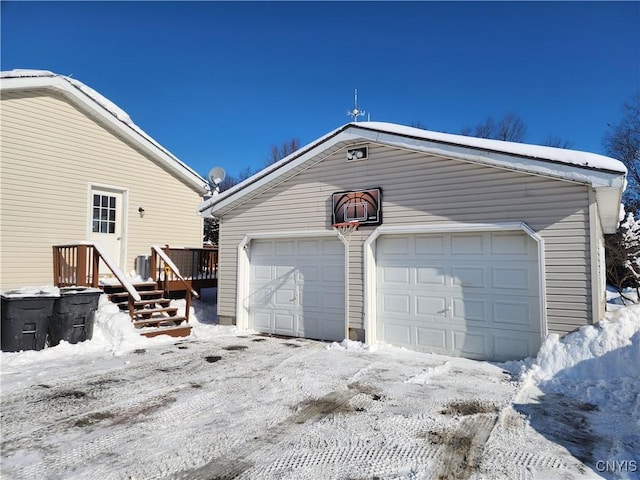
{"x": 509, "y": 127}
{"x": 418, "y": 124}
{"x": 485, "y": 129}
{"x": 623, "y": 143}
{"x": 279, "y": 152}
{"x": 553, "y": 141}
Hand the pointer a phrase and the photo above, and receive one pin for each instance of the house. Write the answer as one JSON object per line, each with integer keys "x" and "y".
{"x": 76, "y": 168}
{"x": 465, "y": 246}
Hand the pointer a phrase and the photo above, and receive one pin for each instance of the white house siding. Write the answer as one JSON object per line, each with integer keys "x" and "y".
{"x": 51, "y": 153}
{"x": 420, "y": 190}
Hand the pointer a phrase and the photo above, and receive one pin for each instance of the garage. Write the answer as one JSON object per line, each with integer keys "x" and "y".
{"x": 297, "y": 287}
{"x": 466, "y": 294}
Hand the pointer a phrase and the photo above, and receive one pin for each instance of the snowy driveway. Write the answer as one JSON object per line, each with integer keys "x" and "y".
{"x": 256, "y": 407}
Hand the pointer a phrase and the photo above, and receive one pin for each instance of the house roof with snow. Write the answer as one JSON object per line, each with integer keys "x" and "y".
{"x": 606, "y": 175}
{"x": 113, "y": 116}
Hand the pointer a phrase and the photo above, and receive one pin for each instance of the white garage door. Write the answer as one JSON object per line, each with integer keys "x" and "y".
{"x": 297, "y": 288}
{"x": 474, "y": 295}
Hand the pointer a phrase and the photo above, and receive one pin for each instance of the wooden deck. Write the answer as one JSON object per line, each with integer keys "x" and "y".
{"x": 172, "y": 273}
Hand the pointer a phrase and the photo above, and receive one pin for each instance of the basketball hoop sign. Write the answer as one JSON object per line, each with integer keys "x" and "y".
{"x": 362, "y": 206}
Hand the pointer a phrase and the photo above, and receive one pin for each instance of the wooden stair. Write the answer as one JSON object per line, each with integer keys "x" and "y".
{"x": 153, "y": 314}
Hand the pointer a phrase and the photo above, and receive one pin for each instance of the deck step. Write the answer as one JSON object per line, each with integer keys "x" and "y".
{"x": 143, "y": 304}
{"x": 178, "y": 331}
{"x": 158, "y": 321}
{"x": 142, "y": 293}
{"x": 163, "y": 302}
{"x": 151, "y": 311}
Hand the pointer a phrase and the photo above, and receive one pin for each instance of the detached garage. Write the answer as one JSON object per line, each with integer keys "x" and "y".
{"x": 464, "y": 246}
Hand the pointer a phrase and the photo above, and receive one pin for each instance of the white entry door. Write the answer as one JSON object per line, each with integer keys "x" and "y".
{"x": 106, "y": 224}
{"x": 297, "y": 288}
{"x": 473, "y": 295}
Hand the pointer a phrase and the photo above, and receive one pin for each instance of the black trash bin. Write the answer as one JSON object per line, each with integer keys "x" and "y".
{"x": 73, "y": 315}
{"x": 25, "y": 319}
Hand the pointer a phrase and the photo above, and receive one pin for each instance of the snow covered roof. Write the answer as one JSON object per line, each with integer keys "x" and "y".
{"x": 606, "y": 175}
{"x": 96, "y": 103}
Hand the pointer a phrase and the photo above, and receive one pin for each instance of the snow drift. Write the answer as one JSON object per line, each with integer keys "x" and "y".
{"x": 598, "y": 364}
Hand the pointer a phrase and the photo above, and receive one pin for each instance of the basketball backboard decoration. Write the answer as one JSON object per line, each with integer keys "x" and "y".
{"x": 364, "y": 206}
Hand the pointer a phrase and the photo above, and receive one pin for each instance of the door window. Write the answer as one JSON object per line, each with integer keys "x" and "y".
{"x": 104, "y": 214}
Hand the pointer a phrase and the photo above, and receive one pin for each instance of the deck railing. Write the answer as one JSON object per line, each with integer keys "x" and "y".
{"x": 198, "y": 266}
{"x": 78, "y": 264}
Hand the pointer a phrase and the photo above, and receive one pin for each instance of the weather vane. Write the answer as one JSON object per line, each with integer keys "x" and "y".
{"x": 355, "y": 113}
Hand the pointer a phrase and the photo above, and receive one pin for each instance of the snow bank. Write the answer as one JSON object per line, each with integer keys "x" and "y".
{"x": 598, "y": 364}
{"x": 347, "y": 345}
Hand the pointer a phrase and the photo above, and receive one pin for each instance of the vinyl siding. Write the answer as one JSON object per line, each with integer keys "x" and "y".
{"x": 427, "y": 190}
{"x": 51, "y": 153}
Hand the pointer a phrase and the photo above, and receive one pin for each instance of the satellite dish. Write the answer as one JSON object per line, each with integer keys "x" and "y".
{"x": 216, "y": 175}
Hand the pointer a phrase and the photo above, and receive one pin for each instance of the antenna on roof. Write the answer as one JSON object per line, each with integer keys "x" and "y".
{"x": 355, "y": 113}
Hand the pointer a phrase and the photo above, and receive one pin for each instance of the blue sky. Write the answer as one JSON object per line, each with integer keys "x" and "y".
{"x": 218, "y": 83}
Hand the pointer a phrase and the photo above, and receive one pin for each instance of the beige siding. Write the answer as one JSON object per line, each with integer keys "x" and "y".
{"x": 51, "y": 153}
{"x": 419, "y": 190}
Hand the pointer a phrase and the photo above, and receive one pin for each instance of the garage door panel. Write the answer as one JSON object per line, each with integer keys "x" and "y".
{"x": 284, "y": 297}
{"x": 310, "y": 273}
{"x": 469, "y": 276}
{"x": 322, "y": 300}
{"x": 285, "y": 271}
{"x": 263, "y": 321}
{"x": 397, "y": 275}
{"x": 260, "y": 250}
{"x": 468, "y": 289}
{"x": 263, "y": 272}
{"x": 514, "y": 314}
{"x": 467, "y": 244}
{"x": 472, "y": 343}
{"x": 513, "y": 278}
{"x": 394, "y": 246}
{"x": 512, "y": 344}
{"x": 396, "y": 303}
{"x": 284, "y": 323}
{"x": 333, "y": 274}
{"x": 469, "y": 310}
{"x": 510, "y": 244}
{"x": 309, "y": 247}
{"x": 430, "y": 275}
{"x": 332, "y": 248}
{"x": 429, "y": 245}
{"x": 397, "y": 333}
{"x": 284, "y": 248}
{"x": 430, "y": 306}
{"x": 431, "y": 339}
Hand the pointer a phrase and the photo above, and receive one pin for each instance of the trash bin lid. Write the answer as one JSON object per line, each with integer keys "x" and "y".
{"x": 32, "y": 292}
{"x": 79, "y": 290}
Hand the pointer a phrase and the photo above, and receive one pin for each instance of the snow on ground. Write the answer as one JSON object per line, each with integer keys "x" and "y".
{"x": 225, "y": 403}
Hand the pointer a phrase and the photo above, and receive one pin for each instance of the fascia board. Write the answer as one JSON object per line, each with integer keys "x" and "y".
{"x": 609, "y": 203}
{"x": 596, "y": 178}
{"x": 75, "y": 95}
